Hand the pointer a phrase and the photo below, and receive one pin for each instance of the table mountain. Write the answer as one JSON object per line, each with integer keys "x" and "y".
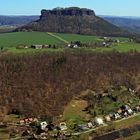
{"x": 72, "y": 20}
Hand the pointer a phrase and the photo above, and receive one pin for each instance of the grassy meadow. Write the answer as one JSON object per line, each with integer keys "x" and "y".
{"x": 76, "y": 37}
{"x": 30, "y": 38}
{"x": 27, "y": 38}
{"x": 10, "y": 40}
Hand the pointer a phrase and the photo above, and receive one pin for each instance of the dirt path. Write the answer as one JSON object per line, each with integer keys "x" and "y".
{"x": 57, "y": 37}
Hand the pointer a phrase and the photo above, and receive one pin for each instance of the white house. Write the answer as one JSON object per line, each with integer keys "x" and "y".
{"x": 99, "y": 121}
{"x": 36, "y": 46}
{"x": 43, "y": 125}
{"x": 130, "y": 111}
{"x": 63, "y": 126}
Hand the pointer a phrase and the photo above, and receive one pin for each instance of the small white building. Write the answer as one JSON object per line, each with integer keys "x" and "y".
{"x": 69, "y": 45}
{"x": 43, "y": 125}
{"x": 118, "y": 41}
{"x": 90, "y": 125}
{"x": 104, "y": 43}
{"x": 99, "y": 121}
{"x": 105, "y": 38}
{"x": 21, "y": 46}
{"x": 36, "y": 46}
{"x": 63, "y": 126}
{"x": 130, "y": 111}
{"x": 75, "y": 46}
{"x": 116, "y": 116}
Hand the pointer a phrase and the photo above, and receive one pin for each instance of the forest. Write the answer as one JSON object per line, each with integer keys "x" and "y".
{"x": 43, "y": 84}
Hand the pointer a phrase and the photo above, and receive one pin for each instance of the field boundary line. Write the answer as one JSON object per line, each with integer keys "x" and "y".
{"x": 58, "y": 37}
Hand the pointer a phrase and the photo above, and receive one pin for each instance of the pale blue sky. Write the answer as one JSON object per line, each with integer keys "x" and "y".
{"x": 101, "y": 7}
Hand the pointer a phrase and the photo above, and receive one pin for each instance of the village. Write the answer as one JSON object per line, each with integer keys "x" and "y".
{"x": 49, "y": 128}
{"x": 70, "y": 70}
{"x": 104, "y": 42}
{"x": 37, "y": 129}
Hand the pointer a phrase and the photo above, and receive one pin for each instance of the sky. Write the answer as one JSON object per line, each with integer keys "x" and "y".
{"x": 101, "y": 7}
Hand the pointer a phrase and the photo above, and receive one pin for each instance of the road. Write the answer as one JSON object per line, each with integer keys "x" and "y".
{"x": 88, "y": 131}
{"x": 91, "y": 130}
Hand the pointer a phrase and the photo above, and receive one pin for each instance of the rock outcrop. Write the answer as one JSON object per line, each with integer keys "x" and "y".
{"x": 73, "y": 11}
{"x": 72, "y": 20}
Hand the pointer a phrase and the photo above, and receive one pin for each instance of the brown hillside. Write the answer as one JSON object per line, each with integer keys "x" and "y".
{"x": 44, "y": 84}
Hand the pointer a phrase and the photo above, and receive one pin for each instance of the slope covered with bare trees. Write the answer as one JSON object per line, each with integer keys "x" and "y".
{"x": 43, "y": 84}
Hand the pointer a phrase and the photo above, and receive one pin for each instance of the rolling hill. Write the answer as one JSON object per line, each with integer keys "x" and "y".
{"x": 16, "y": 20}
{"x": 131, "y": 24}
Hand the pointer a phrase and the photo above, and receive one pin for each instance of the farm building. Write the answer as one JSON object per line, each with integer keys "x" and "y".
{"x": 43, "y": 125}
{"x": 21, "y": 46}
{"x": 107, "y": 118}
{"x": 40, "y": 46}
{"x": 45, "y": 46}
{"x": 36, "y": 46}
{"x": 82, "y": 127}
{"x": 73, "y": 46}
{"x": 63, "y": 126}
{"x": 99, "y": 121}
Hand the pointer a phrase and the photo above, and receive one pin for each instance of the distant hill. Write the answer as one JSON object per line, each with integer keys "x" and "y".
{"x": 129, "y": 23}
{"x": 73, "y": 20}
{"x": 16, "y": 20}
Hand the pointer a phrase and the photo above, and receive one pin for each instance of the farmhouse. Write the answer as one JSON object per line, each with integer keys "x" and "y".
{"x": 26, "y": 121}
{"x": 40, "y": 46}
{"x": 105, "y": 38}
{"x": 117, "y": 41}
{"x": 43, "y": 125}
{"x": 106, "y": 44}
{"x": 99, "y": 121}
{"x": 130, "y": 111}
{"x": 21, "y": 46}
{"x": 45, "y": 46}
{"x": 73, "y": 46}
{"x": 90, "y": 125}
{"x": 137, "y": 108}
{"x": 107, "y": 118}
{"x": 63, "y": 126}
{"x": 119, "y": 111}
{"x": 115, "y": 116}
{"x": 36, "y": 46}
{"x": 82, "y": 127}
{"x": 125, "y": 107}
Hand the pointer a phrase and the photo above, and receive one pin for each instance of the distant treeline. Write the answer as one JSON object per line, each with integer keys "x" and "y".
{"x": 131, "y": 24}
{"x": 16, "y": 20}
{"x": 43, "y": 84}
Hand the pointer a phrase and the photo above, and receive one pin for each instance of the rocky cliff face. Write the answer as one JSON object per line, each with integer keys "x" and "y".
{"x": 73, "y": 11}
{"x": 72, "y": 20}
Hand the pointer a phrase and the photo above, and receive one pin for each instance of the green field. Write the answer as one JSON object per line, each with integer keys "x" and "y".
{"x": 30, "y": 38}
{"x": 76, "y": 37}
{"x": 119, "y": 48}
{"x": 10, "y": 40}
{"x": 122, "y": 47}
{"x": 27, "y": 38}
